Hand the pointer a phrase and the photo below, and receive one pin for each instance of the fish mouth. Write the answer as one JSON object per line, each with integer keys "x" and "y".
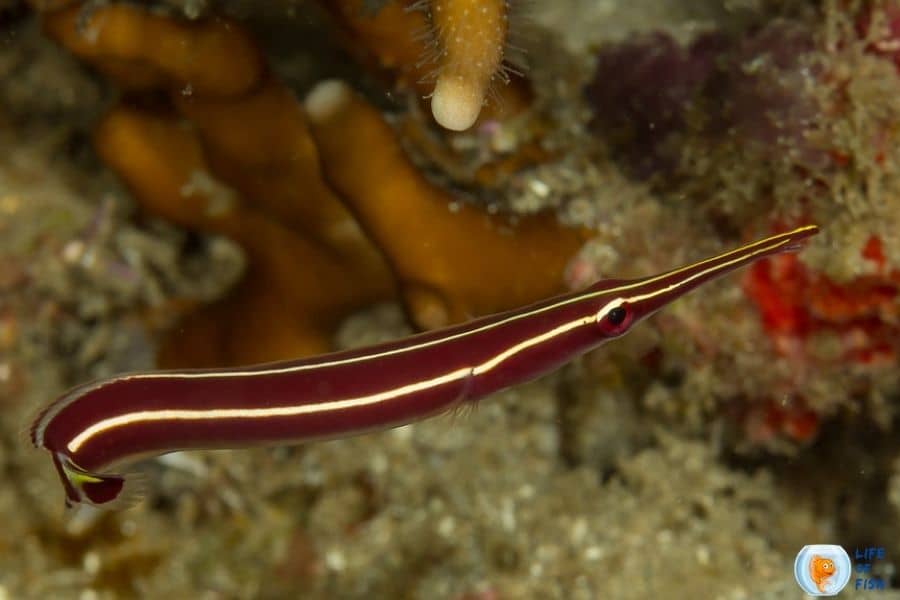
{"x": 653, "y": 293}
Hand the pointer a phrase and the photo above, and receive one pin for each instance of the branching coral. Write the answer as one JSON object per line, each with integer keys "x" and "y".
{"x": 449, "y": 50}
{"x": 296, "y": 290}
{"x": 139, "y": 49}
{"x": 309, "y": 261}
{"x": 261, "y": 145}
{"x": 444, "y": 276}
{"x": 469, "y": 38}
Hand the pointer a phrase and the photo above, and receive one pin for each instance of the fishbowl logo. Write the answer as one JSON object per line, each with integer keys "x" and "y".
{"x": 822, "y": 569}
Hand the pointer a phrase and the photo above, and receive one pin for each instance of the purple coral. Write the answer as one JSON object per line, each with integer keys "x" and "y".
{"x": 641, "y": 89}
{"x": 753, "y": 89}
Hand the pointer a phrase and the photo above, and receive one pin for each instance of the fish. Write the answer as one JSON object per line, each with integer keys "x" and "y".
{"x": 820, "y": 570}
{"x": 95, "y": 430}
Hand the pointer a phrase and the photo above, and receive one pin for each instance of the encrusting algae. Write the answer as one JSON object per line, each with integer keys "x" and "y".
{"x": 280, "y": 210}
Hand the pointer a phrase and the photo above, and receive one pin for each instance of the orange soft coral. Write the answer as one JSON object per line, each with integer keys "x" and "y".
{"x": 236, "y": 157}
{"x": 261, "y": 145}
{"x": 453, "y": 260}
{"x": 139, "y": 49}
{"x": 309, "y": 262}
{"x": 469, "y": 36}
{"x": 296, "y": 290}
{"x": 447, "y": 50}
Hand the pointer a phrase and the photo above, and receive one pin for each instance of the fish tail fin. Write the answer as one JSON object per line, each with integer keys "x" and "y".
{"x": 110, "y": 491}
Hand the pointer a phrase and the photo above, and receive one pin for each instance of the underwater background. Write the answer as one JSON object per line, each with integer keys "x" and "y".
{"x": 171, "y": 196}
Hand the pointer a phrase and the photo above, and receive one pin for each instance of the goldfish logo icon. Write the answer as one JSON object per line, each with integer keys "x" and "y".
{"x": 822, "y": 569}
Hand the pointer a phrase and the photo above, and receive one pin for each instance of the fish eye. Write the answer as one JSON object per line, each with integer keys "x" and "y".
{"x": 615, "y": 320}
{"x": 616, "y": 316}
